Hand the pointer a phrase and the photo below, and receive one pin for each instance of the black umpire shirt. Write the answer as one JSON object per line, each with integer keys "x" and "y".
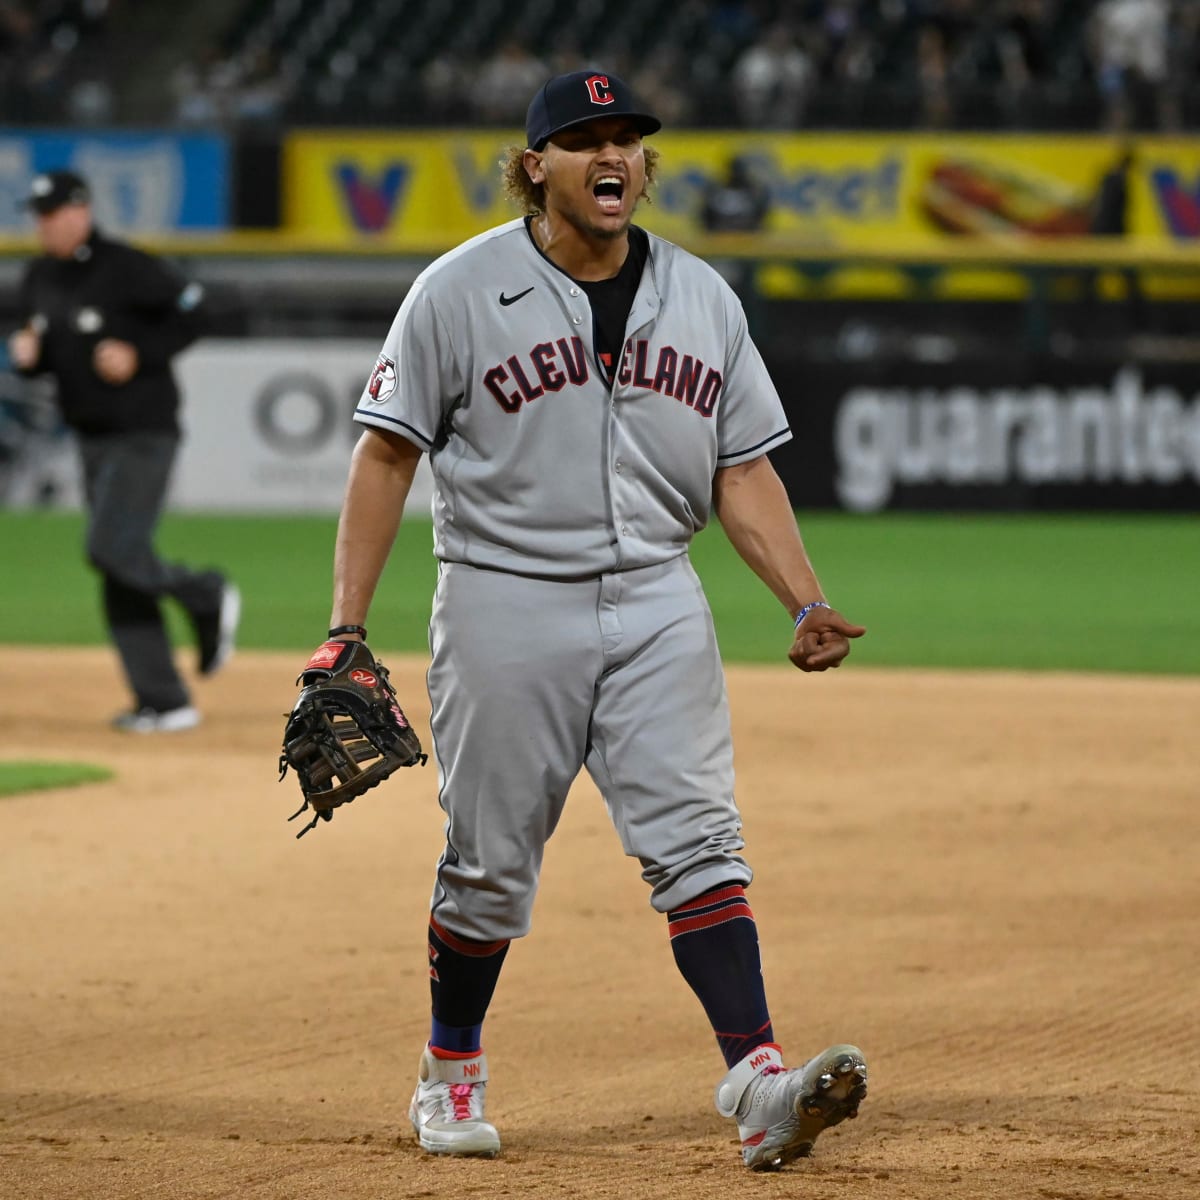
{"x": 109, "y": 289}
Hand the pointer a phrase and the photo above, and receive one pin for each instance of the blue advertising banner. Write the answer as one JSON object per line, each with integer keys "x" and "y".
{"x": 142, "y": 182}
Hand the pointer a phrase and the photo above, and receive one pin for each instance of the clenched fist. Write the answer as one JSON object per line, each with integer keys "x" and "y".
{"x": 822, "y": 640}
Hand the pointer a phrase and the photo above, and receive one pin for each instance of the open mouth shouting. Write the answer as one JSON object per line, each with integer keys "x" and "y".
{"x": 609, "y": 191}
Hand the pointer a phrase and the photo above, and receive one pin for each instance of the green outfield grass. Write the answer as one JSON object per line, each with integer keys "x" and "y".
{"x": 1077, "y": 592}
{"x": 19, "y": 777}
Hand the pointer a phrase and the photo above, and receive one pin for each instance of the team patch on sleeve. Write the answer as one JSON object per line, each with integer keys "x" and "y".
{"x": 383, "y": 380}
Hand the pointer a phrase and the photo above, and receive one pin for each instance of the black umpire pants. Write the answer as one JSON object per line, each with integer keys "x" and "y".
{"x": 125, "y": 477}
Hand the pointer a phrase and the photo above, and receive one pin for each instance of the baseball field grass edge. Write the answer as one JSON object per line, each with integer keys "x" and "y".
{"x": 19, "y": 777}
{"x": 1090, "y": 592}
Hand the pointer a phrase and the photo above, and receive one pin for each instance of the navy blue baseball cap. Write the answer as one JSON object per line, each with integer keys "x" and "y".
{"x": 578, "y": 97}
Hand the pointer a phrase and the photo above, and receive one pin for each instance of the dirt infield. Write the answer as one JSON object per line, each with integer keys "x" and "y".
{"x": 987, "y": 881}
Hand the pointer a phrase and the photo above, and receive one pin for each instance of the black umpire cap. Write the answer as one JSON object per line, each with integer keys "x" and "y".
{"x": 51, "y": 190}
{"x": 579, "y": 97}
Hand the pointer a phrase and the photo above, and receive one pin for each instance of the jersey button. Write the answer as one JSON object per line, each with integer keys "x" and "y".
{"x": 574, "y": 291}
{"x": 625, "y": 530}
{"x": 576, "y": 320}
{"x": 620, "y": 466}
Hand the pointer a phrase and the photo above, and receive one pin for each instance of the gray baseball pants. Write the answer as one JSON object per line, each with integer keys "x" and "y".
{"x": 532, "y": 680}
{"x": 125, "y": 478}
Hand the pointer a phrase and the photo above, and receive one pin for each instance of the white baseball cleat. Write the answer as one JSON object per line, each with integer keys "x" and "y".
{"x": 447, "y": 1107}
{"x": 781, "y": 1112}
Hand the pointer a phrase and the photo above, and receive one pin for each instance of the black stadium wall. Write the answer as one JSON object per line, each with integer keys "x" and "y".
{"x": 1014, "y": 432}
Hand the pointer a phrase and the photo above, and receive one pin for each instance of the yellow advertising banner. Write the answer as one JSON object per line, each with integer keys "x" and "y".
{"x": 420, "y": 192}
{"x": 425, "y": 192}
{"x": 846, "y": 191}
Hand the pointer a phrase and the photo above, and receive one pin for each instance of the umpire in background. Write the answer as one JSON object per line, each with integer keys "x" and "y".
{"x": 105, "y": 319}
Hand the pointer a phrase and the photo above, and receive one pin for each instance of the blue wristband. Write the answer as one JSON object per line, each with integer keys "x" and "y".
{"x": 807, "y": 609}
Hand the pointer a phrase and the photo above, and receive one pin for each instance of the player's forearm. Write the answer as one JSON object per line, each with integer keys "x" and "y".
{"x": 381, "y": 474}
{"x": 753, "y": 507}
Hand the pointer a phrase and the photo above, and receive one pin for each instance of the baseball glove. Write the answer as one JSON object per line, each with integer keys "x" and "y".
{"x": 346, "y": 731}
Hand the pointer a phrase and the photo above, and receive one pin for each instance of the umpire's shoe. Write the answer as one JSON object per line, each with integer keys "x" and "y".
{"x": 781, "y": 1112}
{"x": 216, "y": 630}
{"x": 447, "y": 1107}
{"x": 157, "y": 720}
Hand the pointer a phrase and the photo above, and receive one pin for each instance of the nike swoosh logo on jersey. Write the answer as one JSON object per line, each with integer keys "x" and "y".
{"x": 507, "y": 300}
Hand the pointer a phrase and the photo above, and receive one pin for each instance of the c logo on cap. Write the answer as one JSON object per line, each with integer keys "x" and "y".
{"x": 597, "y": 86}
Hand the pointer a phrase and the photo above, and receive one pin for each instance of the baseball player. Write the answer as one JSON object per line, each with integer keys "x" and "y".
{"x": 588, "y": 395}
{"x": 105, "y": 319}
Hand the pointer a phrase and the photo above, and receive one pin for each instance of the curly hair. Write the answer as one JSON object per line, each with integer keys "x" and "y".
{"x": 530, "y": 197}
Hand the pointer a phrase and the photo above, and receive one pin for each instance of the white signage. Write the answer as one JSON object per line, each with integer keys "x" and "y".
{"x": 268, "y": 426}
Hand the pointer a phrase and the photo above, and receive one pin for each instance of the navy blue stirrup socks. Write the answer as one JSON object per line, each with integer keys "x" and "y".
{"x": 462, "y": 978}
{"x": 715, "y": 943}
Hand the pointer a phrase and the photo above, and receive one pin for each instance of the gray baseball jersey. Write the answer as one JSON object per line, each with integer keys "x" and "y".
{"x": 539, "y": 466}
{"x": 569, "y": 628}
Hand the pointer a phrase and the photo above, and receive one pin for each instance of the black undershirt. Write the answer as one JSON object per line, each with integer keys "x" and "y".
{"x": 611, "y": 299}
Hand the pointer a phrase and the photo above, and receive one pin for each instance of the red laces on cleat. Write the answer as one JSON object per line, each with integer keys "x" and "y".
{"x": 460, "y": 1093}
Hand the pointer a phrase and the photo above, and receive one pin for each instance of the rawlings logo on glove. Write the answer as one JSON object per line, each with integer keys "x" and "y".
{"x": 346, "y": 732}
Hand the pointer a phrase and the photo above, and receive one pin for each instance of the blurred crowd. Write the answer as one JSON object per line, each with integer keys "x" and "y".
{"x": 1113, "y": 65}
{"x": 56, "y": 61}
